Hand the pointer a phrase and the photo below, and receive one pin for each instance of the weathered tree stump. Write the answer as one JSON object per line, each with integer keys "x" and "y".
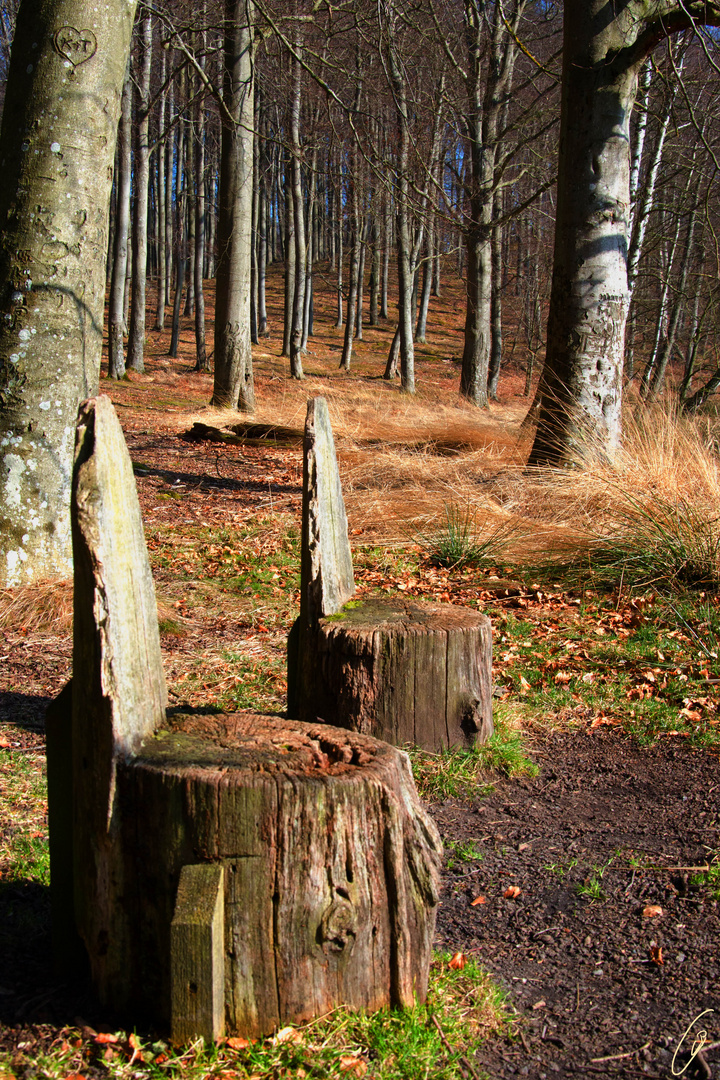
{"x": 230, "y": 872}
{"x": 406, "y": 671}
{"x": 331, "y": 865}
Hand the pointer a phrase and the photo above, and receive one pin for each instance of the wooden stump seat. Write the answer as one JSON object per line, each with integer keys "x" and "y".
{"x": 227, "y": 872}
{"x": 405, "y": 670}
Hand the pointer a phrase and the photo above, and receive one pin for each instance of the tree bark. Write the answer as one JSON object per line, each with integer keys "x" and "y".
{"x": 161, "y": 200}
{"x": 116, "y": 306}
{"x": 136, "y": 337}
{"x": 581, "y": 384}
{"x": 300, "y": 246}
{"x": 233, "y": 385}
{"x": 57, "y": 148}
{"x": 331, "y": 867}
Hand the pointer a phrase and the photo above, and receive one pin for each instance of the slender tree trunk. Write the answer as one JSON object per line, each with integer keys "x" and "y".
{"x": 254, "y": 238}
{"x": 340, "y": 255}
{"x": 262, "y": 242}
{"x": 353, "y": 271}
{"x": 169, "y": 174}
{"x": 300, "y": 251}
{"x": 116, "y": 312}
{"x": 136, "y": 342}
{"x": 160, "y": 201}
{"x": 201, "y": 361}
{"x": 421, "y": 327}
{"x": 360, "y": 289}
{"x": 233, "y": 384}
{"x": 393, "y": 360}
{"x": 660, "y": 367}
{"x": 387, "y": 244}
{"x": 374, "y": 275}
{"x": 496, "y": 334}
{"x": 289, "y": 245}
{"x": 177, "y": 303}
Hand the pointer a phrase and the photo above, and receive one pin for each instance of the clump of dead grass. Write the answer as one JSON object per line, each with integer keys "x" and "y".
{"x": 42, "y": 605}
{"x": 648, "y": 514}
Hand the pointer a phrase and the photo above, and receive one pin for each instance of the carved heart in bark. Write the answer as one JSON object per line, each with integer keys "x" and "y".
{"x": 77, "y": 46}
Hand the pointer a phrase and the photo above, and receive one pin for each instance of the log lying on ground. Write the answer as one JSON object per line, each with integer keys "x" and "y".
{"x": 331, "y": 865}
{"x": 244, "y": 433}
{"x": 407, "y": 671}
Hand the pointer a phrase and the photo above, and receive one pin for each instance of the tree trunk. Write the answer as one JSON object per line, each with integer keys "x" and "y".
{"x": 581, "y": 384}
{"x": 161, "y": 200}
{"x": 393, "y": 360}
{"x": 421, "y": 326}
{"x": 233, "y": 385}
{"x": 360, "y": 289}
{"x": 57, "y": 148}
{"x": 340, "y": 255}
{"x": 201, "y": 361}
{"x": 169, "y": 174}
{"x": 116, "y": 306}
{"x": 340, "y": 911}
{"x": 300, "y": 248}
{"x": 353, "y": 270}
{"x": 136, "y": 338}
{"x": 496, "y": 335}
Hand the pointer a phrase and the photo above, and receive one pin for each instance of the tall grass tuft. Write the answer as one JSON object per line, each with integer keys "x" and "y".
{"x": 462, "y": 540}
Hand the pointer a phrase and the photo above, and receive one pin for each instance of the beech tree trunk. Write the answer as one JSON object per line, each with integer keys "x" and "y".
{"x": 116, "y": 306}
{"x": 57, "y": 148}
{"x": 581, "y": 384}
{"x": 136, "y": 337}
{"x": 233, "y": 385}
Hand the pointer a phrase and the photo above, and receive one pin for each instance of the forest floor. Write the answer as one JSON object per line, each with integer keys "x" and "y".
{"x": 581, "y": 874}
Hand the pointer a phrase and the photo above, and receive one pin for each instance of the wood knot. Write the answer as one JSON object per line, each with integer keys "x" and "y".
{"x": 338, "y": 927}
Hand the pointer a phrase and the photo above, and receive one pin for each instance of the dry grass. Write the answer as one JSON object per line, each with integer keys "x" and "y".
{"x": 43, "y": 605}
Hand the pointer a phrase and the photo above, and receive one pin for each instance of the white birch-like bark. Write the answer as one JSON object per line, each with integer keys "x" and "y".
{"x": 581, "y": 384}
{"x": 57, "y": 148}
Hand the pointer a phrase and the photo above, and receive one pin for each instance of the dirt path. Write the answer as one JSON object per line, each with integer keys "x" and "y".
{"x": 592, "y": 978}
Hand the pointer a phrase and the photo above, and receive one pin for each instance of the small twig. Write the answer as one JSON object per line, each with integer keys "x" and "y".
{"x": 619, "y": 1057}
{"x": 443, "y": 1038}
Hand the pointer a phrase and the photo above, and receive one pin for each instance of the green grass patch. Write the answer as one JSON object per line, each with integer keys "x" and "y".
{"x": 465, "y": 773}
{"x": 24, "y": 852}
{"x": 639, "y": 661}
{"x": 462, "y": 539}
{"x": 431, "y": 1040}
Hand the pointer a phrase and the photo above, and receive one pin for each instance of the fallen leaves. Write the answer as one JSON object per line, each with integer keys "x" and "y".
{"x": 288, "y": 1035}
{"x": 353, "y": 1063}
{"x": 656, "y": 955}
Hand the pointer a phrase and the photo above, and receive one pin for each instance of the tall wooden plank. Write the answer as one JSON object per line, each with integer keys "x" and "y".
{"x": 327, "y": 579}
{"x": 119, "y": 693}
